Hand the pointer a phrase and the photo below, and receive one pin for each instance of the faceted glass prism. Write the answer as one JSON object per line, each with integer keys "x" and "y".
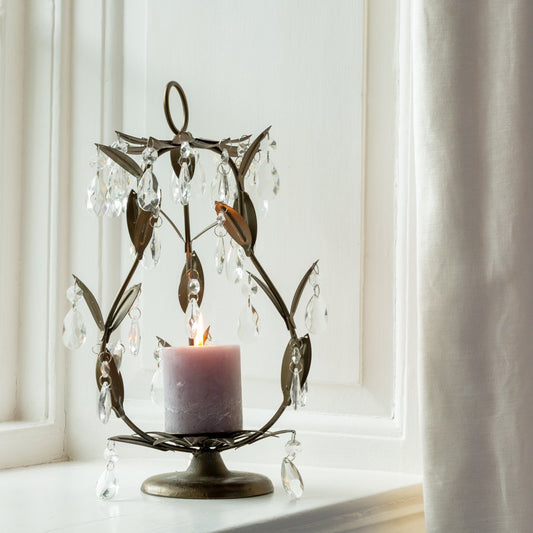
{"x": 248, "y": 330}
{"x": 107, "y": 485}
{"x": 74, "y": 332}
{"x": 291, "y": 479}
{"x": 149, "y": 193}
{"x": 316, "y": 315}
{"x": 104, "y": 403}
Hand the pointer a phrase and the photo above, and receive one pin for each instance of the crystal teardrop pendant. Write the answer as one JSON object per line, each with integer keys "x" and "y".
{"x": 192, "y": 314}
{"x": 175, "y": 187}
{"x": 316, "y": 314}
{"x": 220, "y": 187}
{"x": 117, "y": 191}
{"x": 198, "y": 182}
{"x": 268, "y": 181}
{"x": 96, "y": 195}
{"x": 248, "y": 330}
{"x": 118, "y": 353}
{"x": 220, "y": 255}
{"x": 74, "y": 332}
{"x": 149, "y": 193}
{"x": 296, "y": 390}
{"x": 107, "y": 485}
{"x": 152, "y": 252}
{"x": 134, "y": 337}
{"x": 185, "y": 185}
{"x": 235, "y": 263}
{"x": 291, "y": 479}
{"x": 156, "y": 387}
{"x": 104, "y": 403}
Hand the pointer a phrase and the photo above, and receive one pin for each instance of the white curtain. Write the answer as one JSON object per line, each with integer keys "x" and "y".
{"x": 473, "y": 144}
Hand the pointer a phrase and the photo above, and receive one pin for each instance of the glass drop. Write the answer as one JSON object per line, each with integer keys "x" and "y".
{"x": 185, "y": 150}
{"x": 152, "y": 252}
{"x": 74, "y": 332}
{"x": 248, "y": 330}
{"x": 192, "y": 314}
{"x": 110, "y": 453}
{"x": 117, "y": 191}
{"x": 118, "y": 353}
{"x": 104, "y": 403}
{"x": 292, "y": 447}
{"x": 220, "y": 187}
{"x": 134, "y": 337}
{"x": 96, "y": 195}
{"x": 193, "y": 287}
{"x": 296, "y": 390}
{"x": 316, "y": 315}
{"x": 156, "y": 387}
{"x": 185, "y": 191}
{"x": 74, "y": 293}
{"x": 235, "y": 263}
{"x": 220, "y": 255}
{"x": 268, "y": 181}
{"x": 198, "y": 184}
{"x": 175, "y": 187}
{"x": 303, "y": 395}
{"x": 107, "y": 485}
{"x": 149, "y": 193}
{"x": 291, "y": 479}
{"x": 149, "y": 154}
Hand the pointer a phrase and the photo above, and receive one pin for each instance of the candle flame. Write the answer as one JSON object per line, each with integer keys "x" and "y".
{"x": 199, "y": 337}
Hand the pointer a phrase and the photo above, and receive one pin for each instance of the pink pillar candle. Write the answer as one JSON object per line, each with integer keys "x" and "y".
{"x": 202, "y": 389}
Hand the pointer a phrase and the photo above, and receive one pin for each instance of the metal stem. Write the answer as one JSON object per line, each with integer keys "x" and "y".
{"x": 285, "y": 314}
{"x": 174, "y": 227}
{"x": 121, "y": 292}
{"x": 211, "y": 226}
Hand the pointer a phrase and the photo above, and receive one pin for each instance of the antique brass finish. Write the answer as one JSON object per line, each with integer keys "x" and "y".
{"x": 207, "y": 478}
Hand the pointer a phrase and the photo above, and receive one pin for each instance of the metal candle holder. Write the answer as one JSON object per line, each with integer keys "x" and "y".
{"x": 207, "y": 477}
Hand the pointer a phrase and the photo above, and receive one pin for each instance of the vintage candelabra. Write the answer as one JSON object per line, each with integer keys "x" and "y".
{"x": 245, "y": 176}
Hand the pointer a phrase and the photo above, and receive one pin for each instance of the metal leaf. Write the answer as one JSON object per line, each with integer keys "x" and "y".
{"x": 124, "y": 306}
{"x": 236, "y": 226}
{"x": 248, "y": 157}
{"x": 143, "y": 231}
{"x": 175, "y": 156}
{"x": 193, "y": 264}
{"x": 247, "y": 210}
{"x": 300, "y": 289}
{"x": 286, "y": 371}
{"x": 131, "y": 139}
{"x": 121, "y": 159}
{"x": 132, "y": 213}
{"x": 162, "y": 342}
{"x": 92, "y": 304}
{"x": 268, "y": 292}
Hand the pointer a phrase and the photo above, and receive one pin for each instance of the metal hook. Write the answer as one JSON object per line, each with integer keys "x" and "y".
{"x": 184, "y": 106}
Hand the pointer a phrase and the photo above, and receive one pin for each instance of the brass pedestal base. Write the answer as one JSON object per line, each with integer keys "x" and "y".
{"x": 207, "y": 478}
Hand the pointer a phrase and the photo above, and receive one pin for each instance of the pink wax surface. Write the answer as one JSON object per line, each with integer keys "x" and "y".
{"x": 202, "y": 389}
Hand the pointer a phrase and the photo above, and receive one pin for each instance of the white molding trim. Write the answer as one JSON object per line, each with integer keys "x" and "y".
{"x": 39, "y": 435}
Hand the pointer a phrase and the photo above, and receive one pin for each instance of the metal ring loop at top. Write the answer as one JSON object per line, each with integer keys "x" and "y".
{"x": 184, "y": 106}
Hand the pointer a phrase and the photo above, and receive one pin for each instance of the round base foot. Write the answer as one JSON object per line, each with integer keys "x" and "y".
{"x": 207, "y": 478}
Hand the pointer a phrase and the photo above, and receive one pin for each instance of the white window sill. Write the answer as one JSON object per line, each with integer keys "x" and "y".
{"x": 60, "y": 498}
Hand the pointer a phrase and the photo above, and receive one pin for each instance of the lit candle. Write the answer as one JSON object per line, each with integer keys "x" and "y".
{"x": 202, "y": 389}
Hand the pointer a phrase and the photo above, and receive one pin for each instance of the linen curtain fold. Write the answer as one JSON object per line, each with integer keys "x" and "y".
{"x": 473, "y": 146}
